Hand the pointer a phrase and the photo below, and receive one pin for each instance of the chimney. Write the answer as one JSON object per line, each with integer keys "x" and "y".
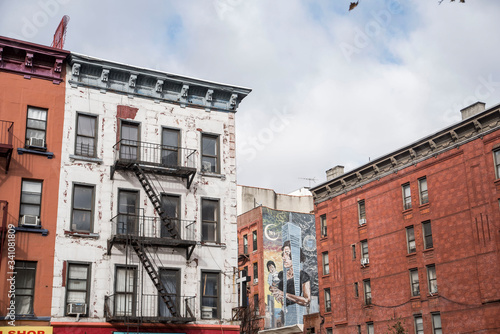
{"x": 473, "y": 109}
{"x": 334, "y": 172}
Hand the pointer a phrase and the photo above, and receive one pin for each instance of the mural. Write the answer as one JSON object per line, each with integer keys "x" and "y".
{"x": 291, "y": 268}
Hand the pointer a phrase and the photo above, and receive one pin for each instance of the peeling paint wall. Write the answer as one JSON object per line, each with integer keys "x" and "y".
{"x": 109, "y": 108}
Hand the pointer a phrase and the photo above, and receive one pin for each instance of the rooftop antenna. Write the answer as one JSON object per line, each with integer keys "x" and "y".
{"x": 310, "y": 179}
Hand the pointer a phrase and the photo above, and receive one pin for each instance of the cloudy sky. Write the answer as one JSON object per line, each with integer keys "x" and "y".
{"x": 330, "y": 87}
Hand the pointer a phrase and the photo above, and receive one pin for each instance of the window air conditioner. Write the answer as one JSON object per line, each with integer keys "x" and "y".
{"x": 255, "y": 280}
{"x": 38, "y": 142}
{"x": 362, "y": 222}
{"x": 206, "y": 166}
{"x": 76, "y": 308}
{"x": 365, "y": 261}
{"x": 28, "y": 220}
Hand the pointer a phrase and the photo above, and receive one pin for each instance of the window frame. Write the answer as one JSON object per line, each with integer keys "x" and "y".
{"x": 410, "y": 239}
{"x": 23, "y": 204}
{"x": 170, "y": 148}
{"x": 323, "y": 226}
{"x": 177, "y": 218}
{"x": 361, "y": 210}
{"x": 203, "y": 155}
{"x": 137, "y": 155}
{"x": 218, "y": 298}
{"x": 126, "y": 293}
{"x": 255, "y": 269}
{"x": 256, "y": 307}
{"x": 88, "y": 265}
{"x": 216, "y": 222}
{"x": 27, "y": 139}
{"x": 418, "y": 323}
{"x": 176, "y": 295}
{"x": 406, "y": 192}
{"x": 94, "y": 138}
{"x": 90, "y": 211}
{"x": 367, "y": 291}
{"x": 369, "y": 328}
{"x": 245, "y": 244}
{"x": 254, "y": 241}
{"x": 353, "y": 251}
{"x": 328, "y": 300}
{"x": 496, "y": 162}
{"x": 435, "y": 329}
{"x": 364, "y": 250}
{"x": 325, "y": 263}
{"x": 414, "y": 283}
{"x": 432, "y": 282}
{"x": 356, "y": 289}
{"x": 31, "y": 295}
{"x": 428, "y": 239}
{"x": 423, "y": 194}
{"x": 131, "y": 225}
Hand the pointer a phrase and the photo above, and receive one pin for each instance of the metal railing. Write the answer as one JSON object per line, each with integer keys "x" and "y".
{"x": 130, "y": 151}
{"x": 6, "y": 132}
{"x": 147, "y": 307}
{"x": 151, "y": 227}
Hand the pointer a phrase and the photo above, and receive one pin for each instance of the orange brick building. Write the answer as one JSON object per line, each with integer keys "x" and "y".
{"x": 414, "y": 235}
{"x": 32, "y": 95}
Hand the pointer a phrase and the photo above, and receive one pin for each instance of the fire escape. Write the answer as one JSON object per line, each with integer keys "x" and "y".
{"x": 142, "y": 234}
{"x": 6, "y": 135}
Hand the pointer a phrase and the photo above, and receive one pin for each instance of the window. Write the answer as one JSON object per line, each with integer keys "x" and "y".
{"x": 246, "y": 273}
{"x": 245, "y": 244}
{"x": 254, "y": 236}
{"x": 369, "y": 328}
{"x": 256, "y": 304}
{"x": 85, "y": 144}
{"x": 322, "y": 221}
{"x": 125, "y": 283}
{"x": 326, "y": 264}
{"x": 128, "y": 202}
{"x": 353, "y": 249}
{"x": 415, "y": 288}
{"x": 362, "y": 212}
{"x": 170, "y": 147}
{"x": 364, "y": 252}
{"x": 432, "y": 279}
{"x": 328, "y": 300}
{"x": 368, "y": 292}
{"x": 171, "y": 205}
{"x": 356, "y": 290}
{"x": 210, "y": 218}
{"x": 419, "y": 324}
{"x": 436, "y": 323}
{"x": 31, "y": 202}
{"x": 496, "y": 156}
{"x": 426, "y": 226}
{"x": 359, "y": 329}
{"x": 36, "y": 127}
{"x": 83, "y": 208}
{"x": 171, "y": 281}
{"x": 255, "y": 272}
{"x": 329, "y": 330}
{"x": 406, "y": 196}
{"x": 422, "y": 188}
{"x": 78, "y": 285}
{"x": 210, "y": 153}
{"x": 209, "y": 295}
{"x": 25, "y": 286}
{"x": 129, "y": 144}
{"x": 410, "y": 240}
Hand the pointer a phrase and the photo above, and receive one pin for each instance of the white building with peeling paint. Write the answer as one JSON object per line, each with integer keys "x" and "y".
{"x": 146, "y": 229}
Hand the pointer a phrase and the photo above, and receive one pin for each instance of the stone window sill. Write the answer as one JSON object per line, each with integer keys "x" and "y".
{"x": 21, "y": 151}
{"x": 82, "y": 234}
{"x": 84, "y": 158}
{"x": 43, "y": 231}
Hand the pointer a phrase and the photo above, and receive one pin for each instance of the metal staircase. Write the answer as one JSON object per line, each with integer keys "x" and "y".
{"x": 153, "y": 274}
{"x": 150, "y": 191}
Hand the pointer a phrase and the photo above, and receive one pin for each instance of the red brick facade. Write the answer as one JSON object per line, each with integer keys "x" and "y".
{"x": 461, "y": 248}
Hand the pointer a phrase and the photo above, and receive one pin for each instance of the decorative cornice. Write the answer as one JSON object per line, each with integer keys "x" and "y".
{"x": 129, "y": 80}
{"x": 31, "y": 60}
{"x": 449, "y": 138}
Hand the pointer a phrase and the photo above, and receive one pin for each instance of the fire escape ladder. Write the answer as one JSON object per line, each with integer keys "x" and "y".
{"x": 153, "y": 274}
{"x": 150, "y": 191}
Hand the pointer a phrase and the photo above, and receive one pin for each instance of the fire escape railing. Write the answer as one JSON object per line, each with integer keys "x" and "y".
{"x": 6, "y": 138}
{"x": 4, "y": 207}
{"x": 147, "y": 308}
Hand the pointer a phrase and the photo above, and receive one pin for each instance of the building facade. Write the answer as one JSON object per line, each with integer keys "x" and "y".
{"x": 146, "y": 233}
{"x": 272, "y": 242}
{"x": 413, "y": 236}
{"x": 32, "y": 89}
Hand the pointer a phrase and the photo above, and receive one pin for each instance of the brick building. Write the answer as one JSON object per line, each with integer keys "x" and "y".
{"x": 32, "y": 89}
{"x": 414, "y": 235}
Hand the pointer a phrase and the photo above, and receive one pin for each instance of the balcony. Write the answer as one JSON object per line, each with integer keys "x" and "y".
{"x": 6, "y": 136}
{"x": 147, "y": 308}
{"x": 151, "y": 231}
{"x": 155, "y": 158}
